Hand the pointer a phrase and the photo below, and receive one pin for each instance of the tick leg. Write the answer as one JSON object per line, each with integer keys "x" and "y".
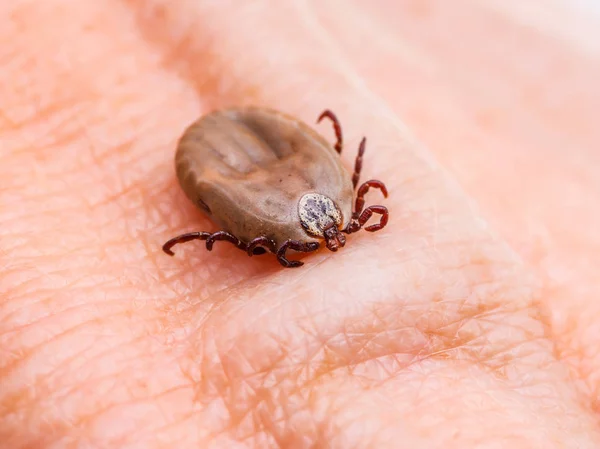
{"x": 358, "y": 162}
{"x": 223, "y": 235}
{"x": 182, "y": 239}
{"x": 336, "y": 126}
{"x": 368, "y": 213}
{"x": 296, "y": 246}
{"x": 260, "y": 245}
{"x": 362, "y": 191}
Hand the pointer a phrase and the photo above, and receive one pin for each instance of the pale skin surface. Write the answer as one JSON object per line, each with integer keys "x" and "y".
{"x": 470, "y": 321}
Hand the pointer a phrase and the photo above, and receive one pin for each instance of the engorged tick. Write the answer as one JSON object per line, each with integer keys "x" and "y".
{"x": 231, "y": 163}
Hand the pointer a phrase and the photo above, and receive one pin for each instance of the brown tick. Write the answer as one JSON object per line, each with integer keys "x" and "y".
{"x": 272, "y": 183}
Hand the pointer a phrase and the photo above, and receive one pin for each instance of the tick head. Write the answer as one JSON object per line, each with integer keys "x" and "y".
{"x": 334, "y": 239}
{"x": 320, "y": 217}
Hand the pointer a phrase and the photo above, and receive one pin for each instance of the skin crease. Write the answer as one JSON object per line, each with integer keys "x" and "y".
{"x": 470, "y": 321}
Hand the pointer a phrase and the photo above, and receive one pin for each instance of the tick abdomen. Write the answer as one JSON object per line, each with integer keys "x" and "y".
{"x": 249, "y": 168}
{"x": 272, "y": 184}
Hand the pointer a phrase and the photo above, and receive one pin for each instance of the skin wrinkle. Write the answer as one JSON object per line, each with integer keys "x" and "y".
{"x": 83, "y": 283}
{"x": 41, "y": 112}
{"x": 457, "y": 402}
{"x": 322, "y": 430}
{"x": 185, "y": 417}
{"x": 42, "y": 118}
{"x": 448, "y": 344}
{"x": 238, "y": 400}
{"x": 67, "y": 392}
{"x": 18, "y": 399}
{"x": 99, "y": 413}
{"x": 18, "y": 314}
{"x": 87, "y": 304}
{"x": 43, "y": 319}
{"x": 36, "y": 350}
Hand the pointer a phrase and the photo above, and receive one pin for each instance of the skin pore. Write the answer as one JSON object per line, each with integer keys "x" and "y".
{"x": 469, "y": 321}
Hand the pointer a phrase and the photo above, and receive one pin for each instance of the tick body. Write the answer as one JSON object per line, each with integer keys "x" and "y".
{"x": 271, "y": 183}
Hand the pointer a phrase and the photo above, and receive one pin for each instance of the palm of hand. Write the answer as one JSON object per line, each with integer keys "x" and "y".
{"x": 427, "y": 333}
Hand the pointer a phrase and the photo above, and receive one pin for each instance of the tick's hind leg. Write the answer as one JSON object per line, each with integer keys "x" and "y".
{"x": 223, "y": 235}
{"x": 210, "y": 240}
{"x": 296, "y": 246}
{"x": 336, "y": 127}
{"x": 260, "y": 245}
{"x": 182, "y": 239}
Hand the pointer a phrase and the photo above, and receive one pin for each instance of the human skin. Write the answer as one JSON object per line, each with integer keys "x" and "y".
{"x": 471, "y": 320}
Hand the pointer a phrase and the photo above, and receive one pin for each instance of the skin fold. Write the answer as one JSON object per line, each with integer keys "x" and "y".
{"x": 471, "y": 320}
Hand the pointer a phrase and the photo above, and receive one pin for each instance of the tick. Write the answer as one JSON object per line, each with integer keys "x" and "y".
{"x": 272, "y": 183}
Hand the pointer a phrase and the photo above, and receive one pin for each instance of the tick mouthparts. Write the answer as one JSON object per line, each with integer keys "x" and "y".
{"x": 334, "y": 239}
